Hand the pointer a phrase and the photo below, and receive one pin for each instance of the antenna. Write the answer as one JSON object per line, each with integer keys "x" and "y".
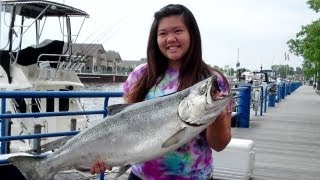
{"x": 238, "y": 74}
{"x": 238, "y": 63}
{"x": 272, "y": 60}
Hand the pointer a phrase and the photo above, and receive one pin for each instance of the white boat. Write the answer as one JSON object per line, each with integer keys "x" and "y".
{"x": 46, "y": 66}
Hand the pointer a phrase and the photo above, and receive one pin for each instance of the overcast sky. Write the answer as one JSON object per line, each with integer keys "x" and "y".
{"x": 259, "y": 28}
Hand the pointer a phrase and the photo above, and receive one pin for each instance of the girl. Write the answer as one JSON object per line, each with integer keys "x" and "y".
{"x": 174, "y": 62}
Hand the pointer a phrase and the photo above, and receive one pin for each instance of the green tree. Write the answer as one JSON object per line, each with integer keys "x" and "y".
{"x": 242, "y": 70}
{"x": 283, "y": 71}
{"x": 229, "y": 71}
{"x": 307, "y": 44}
{"x": 299, "y": 71}
{"x": 314, "y": 5}
{"x": 308, "y": 69}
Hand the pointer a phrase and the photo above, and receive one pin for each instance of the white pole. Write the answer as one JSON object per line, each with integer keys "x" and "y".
{"x": 116, "y": 68}
{"x": 0, "y": 21}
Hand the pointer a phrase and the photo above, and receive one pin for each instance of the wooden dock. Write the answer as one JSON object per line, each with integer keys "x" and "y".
{"x": 287, "y": 138}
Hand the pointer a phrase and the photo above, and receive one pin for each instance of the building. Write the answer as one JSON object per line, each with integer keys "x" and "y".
{"x": 99, "y": 61}
{"x": 129, "y": 65}
{"x": 96, "y": 59}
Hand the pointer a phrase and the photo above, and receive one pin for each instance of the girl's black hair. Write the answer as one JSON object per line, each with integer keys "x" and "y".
{"x": 192, "y": 69}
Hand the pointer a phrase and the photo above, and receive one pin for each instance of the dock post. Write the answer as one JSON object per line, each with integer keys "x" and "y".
{"x": 265, "y": 98}
{"x": 282, "y": 90}
{"x": 73, "y": 125}
{"x": 261, "y": 99}
{"x": 244, "y": 106}
{"x": 271, "y": 101}
{"x": 8, "y": 133}
{"x": 37, "y": 142}
{"x": 278, "y": 93}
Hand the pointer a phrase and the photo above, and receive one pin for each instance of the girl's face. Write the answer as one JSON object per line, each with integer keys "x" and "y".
{"x": 173, "y": 39}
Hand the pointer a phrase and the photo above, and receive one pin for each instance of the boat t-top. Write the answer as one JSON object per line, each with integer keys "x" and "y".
{"x": 40, "y": 64}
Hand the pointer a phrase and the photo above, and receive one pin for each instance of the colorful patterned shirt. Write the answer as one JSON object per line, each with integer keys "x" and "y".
{"x": 191, "y": 161}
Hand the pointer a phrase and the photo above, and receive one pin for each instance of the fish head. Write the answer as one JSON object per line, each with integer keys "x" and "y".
{"x": 203, "y": 104}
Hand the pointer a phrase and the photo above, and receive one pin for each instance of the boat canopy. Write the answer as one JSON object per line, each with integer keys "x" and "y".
{"x": 32, "y": 9}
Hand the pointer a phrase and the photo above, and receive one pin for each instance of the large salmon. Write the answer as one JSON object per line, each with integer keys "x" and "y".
{"x": 134, "y": 133}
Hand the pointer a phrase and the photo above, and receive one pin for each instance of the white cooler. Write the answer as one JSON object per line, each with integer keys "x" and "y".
{"x": 236, "y": 161}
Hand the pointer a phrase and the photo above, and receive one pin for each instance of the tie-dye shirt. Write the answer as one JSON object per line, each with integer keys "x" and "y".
{"x": 191, "y": 161}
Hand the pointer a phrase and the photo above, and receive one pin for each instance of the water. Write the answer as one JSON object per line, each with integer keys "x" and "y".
{"x": 98, "y": 103}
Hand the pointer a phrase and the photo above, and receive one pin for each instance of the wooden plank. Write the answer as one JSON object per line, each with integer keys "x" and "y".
{"x": 287, "y": 138}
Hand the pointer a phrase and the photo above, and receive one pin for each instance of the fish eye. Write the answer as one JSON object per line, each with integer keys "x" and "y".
{"x": 203, "y": 89}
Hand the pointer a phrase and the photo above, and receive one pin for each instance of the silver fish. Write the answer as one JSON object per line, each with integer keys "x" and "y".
{"x": 133, "y": 133}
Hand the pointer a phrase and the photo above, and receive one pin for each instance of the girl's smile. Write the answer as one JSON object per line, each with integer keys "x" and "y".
{"x": 173, "y": 39}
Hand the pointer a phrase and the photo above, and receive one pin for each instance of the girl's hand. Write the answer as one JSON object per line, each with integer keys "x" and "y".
{"x": 99, "y": 167}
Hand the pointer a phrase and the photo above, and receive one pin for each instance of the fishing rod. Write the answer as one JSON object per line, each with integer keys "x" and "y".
{"x": 110, "y": 35}
{"x": 69, "y": 44}
{"x": 78, "y": 54}
{"x": 91, "y": 48}
{"x": 77, "y": 59}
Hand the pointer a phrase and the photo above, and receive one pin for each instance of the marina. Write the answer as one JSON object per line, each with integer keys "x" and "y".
{"x": 45, "y": 101}
{"x": 282, "y": 136}
{"x": 286, "y": 138}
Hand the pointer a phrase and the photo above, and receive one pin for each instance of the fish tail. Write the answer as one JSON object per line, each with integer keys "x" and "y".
{"x": 31, "y": 167}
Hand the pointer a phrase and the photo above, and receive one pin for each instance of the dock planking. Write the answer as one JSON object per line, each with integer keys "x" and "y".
{"x": 287, "y": 138}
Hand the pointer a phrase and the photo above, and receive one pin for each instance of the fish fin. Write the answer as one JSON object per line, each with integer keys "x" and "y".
{"x": 31, "y": 167}
{"x": 116, "y": 108}
{"x": 122, "y": 170}
{"x": 175, "y": 138}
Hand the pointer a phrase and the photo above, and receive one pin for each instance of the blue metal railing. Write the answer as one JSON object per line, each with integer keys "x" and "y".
{"x": 244, "y": 99}
{"x": 242, "y": 108}
{"x": 4, "y": 95}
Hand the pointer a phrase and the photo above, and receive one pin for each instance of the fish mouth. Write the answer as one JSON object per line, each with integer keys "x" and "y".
{"x": 203, "y": 104}
{"x": 212, "y": 110}
{"x": 213, "y": 91}
{"x": 215, "y": 100}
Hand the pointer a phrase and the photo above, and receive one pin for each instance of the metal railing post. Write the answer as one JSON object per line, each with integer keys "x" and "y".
{"x": 73, "y": 125}
{"x": 8, "y": 132}
{"x": 106, "y": 100}
{"x": 278, "y": 93}
{"x": 37, "y": 142}
{"x": 282, "y": 90}
{"x": 261, "y": 99}
{"x": 265, "y": 99}
{"x": 3, "y": 125}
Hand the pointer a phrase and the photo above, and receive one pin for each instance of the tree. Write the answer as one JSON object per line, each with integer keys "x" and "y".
{"x": 228, "y": 70}
{"x": 314, "y": 5}
{"x": 299, "y": 71}
{"x": 307, "y": 44}
{"x": 308, "y": 70}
